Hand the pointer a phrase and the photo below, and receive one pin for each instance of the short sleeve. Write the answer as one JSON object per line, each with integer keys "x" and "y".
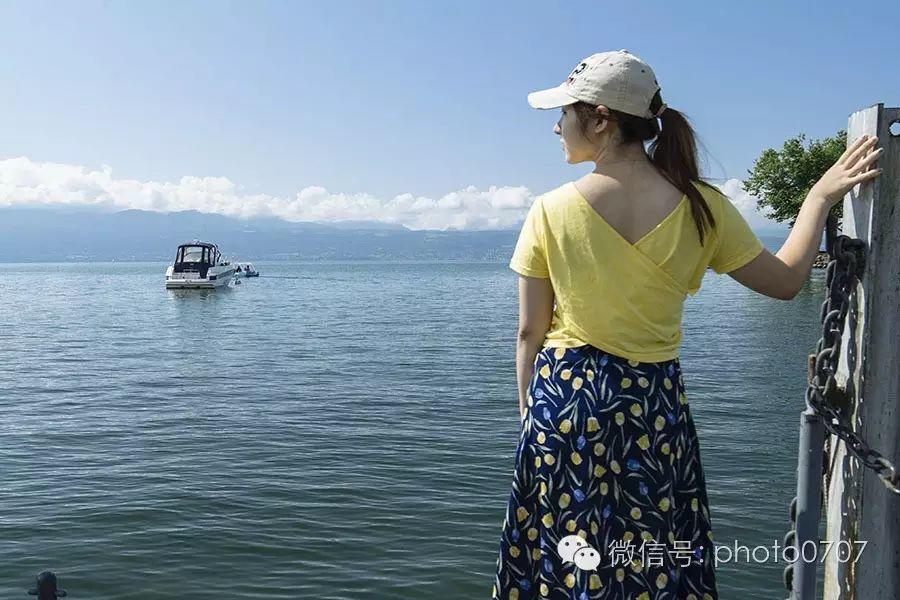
{"x": 736, "y": 243}
{"x": 529, "y": 257}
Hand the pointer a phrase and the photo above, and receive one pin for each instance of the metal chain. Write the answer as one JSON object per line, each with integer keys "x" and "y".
{"x": 845, "y": 267}
{"x": 847, "y": 259}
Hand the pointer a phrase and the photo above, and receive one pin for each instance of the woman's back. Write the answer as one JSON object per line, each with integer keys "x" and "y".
{"x": 632, "y": 197}
{"x": 621, "y": 285}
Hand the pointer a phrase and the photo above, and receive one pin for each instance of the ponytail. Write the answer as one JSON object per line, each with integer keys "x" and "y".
{"x": 673, "y": 152}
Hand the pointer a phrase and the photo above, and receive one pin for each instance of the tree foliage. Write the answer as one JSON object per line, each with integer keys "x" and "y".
{"x": 780, "y": 179}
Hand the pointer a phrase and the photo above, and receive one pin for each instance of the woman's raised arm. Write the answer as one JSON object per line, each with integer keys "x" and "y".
{"x": 783, "y": 274}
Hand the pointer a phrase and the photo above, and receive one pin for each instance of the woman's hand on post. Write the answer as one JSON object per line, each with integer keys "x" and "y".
{"x": 856, "y": 165}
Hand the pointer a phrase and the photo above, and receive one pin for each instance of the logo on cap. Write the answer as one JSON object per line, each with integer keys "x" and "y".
{"x": 575, "y": 72}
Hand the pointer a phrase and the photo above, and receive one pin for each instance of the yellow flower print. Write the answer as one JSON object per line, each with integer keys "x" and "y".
{"x": 599, "y": 448}
{"x": 549, "y": 459}
{"x": 667, "y": 383}
{"x": 514, "y": 551}
{"x": 545, "y": 591}
{"x": 643, "y": 442}
{"x": 565, "y": 426}
{"x": 599, "y": 471}
{"x": 682, "y": 398}
{"x": 642, "y": 381}
{"x": 628, "y": 536}
{"x": 665, "y": 448}
{"x": 521, "y": 513}
{"x": 543, "y": 488}
{"x": 633, "y": 363}
{"x": 532, "y": 533}
{"x": 645, "y": 535}
{"x": 664, "y": 504}
{"x": 662, "y": 580}
{"x": 541, "y": 437}
{"x": 576, "y": 383}
{"x": 571, "y": 525}
{"x": 536, "y": 554}
{"x": 593, "y": 424}
{"x": 626, "y": 383}
{"x": 671, "y": 538}
{"x": 547, "y": 520}
{"x": 636, "y": 409}
{"x": 545, "y": 371}
{"x": 707, "y": 597}
{"x": 635, "y": 513}
{"x": 565, "y": 374}
{"x": 620, "y": 418}
{"x": 691, "y": 597}
{"x": 620, "y": 574}
{"x": 604, "y": 488}
{"x": 559, "y": 353}
{"x": 537, "y": 461}
{"x": 570, "y": 581}
{"x": 637, "y": 565}
{"x": 594, "y": 527}
{"x": 582, "y": 534}
{"x": 590, "y": 375}
{"x": 709, "y": 535}
{"x": 514, "y": 594}
{"x": 564, "y": 500}
{"x": 614, "y": 465}
{"x": 659, "y": 423}
{"x": 594, "y": 581}
{"x": 643, "y": 596}
{"x": 576, "y": 458}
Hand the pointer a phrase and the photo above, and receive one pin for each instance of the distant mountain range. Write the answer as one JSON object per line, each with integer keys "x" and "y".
{"x": 50, "y": 234}
{"x": 47, "y": 234}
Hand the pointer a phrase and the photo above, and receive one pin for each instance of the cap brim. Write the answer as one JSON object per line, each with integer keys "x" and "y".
{"x": 551, "y": 98}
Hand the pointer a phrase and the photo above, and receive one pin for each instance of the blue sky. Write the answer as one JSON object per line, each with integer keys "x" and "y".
{"x": 411, "y": 100}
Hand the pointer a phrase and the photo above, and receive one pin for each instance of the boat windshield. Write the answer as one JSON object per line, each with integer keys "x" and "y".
{"x": 193, "y": 254}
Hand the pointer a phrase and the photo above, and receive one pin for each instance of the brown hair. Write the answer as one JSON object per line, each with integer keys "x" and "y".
{"x": 673, "y": 151}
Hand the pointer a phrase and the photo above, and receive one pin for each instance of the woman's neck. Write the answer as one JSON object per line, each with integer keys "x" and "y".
{"x": 614, "y": 160}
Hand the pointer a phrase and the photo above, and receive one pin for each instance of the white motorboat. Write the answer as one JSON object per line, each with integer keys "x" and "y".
{"x": 246, "y": 270}
{"x": 199, "y": 265}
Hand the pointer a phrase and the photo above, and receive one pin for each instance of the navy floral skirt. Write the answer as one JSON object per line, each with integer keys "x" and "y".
{"x": 608, "y": 496}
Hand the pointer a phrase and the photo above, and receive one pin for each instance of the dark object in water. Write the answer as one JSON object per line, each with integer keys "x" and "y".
{"x": 45, "y": 587}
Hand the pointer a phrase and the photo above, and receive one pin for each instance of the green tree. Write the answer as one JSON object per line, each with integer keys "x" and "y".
{"x": 780, "y": 179}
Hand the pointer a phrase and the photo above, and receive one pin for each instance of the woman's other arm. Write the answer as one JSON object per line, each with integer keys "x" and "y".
{"x": 535, "y": 315}
{"x": 783, "y": 274}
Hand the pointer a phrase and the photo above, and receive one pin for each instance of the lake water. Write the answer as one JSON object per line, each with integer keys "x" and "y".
{"x": 330, "y": 430}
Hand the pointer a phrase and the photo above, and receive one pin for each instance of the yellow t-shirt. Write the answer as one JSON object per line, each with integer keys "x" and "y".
{"x": 623, "y": 298}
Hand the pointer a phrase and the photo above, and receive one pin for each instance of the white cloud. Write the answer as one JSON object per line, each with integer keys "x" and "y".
{"x": 747, "y": 205}
{"x": 24, "y": 182}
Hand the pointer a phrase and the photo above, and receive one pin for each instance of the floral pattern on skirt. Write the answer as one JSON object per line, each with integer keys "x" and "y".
{"x": 608, "y": 452}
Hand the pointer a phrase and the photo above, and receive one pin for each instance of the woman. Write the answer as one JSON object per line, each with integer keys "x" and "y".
{"x": 608, "y": 497}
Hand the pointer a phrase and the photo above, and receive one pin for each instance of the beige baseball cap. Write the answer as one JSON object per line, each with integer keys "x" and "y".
{"x": 618, "y": 80}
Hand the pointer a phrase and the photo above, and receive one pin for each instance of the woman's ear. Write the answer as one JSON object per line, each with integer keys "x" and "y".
{"x": 602, "y": 118}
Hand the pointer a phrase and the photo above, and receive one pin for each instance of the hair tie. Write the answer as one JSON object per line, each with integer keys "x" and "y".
{"x": 660, "y": 111}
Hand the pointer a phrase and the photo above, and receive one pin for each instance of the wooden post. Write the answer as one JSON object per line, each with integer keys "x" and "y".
{"x": 860, "y": 507}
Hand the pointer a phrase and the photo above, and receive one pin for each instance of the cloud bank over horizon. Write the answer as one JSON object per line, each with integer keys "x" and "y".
{"x": 24, "y": 182}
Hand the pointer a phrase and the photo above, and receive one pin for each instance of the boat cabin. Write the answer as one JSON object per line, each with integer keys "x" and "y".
{"x": 196, "y": 257}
